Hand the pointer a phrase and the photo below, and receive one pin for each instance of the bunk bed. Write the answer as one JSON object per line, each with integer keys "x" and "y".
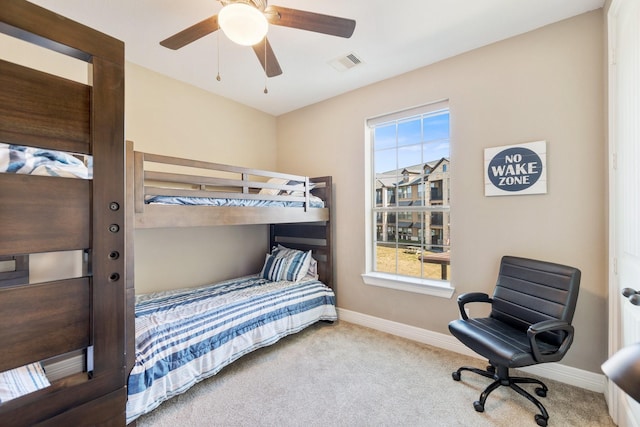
{"x": 54, "y": 213}
{"x": 186, "y": 335}
{"x": 169, "y": 192}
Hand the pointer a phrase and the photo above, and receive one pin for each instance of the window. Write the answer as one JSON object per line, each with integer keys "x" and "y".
{"x": 408, "y": 229}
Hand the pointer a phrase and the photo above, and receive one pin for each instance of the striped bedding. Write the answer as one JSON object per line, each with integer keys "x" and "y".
{"x": 185, "y": 336}
{"x": 23, "y": 380}
{"x": 314, "y": 202}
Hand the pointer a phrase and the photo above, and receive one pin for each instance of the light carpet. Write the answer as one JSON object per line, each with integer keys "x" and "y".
{"x": 347, "y": 375}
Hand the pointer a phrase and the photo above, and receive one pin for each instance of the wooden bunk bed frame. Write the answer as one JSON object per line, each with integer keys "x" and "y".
{"x": 304, "y": 228}
{"x": 49, "y": 214}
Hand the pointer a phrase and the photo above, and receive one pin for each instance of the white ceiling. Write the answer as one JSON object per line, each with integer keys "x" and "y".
{"x": 390, "y": 38}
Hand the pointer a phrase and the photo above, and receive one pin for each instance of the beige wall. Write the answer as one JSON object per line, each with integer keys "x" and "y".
{"x": 165, "y": 116}
{"x": 543, "y": 85}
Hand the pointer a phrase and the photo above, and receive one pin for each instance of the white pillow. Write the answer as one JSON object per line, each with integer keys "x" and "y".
{"x": 273, "y": 191}
{"x": 299, "y": 193}
{"x": 282, "y": 251}
{"x": 278, "y": 181}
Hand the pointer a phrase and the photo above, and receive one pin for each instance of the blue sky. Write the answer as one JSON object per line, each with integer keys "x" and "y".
{"x": 405, "y": 138}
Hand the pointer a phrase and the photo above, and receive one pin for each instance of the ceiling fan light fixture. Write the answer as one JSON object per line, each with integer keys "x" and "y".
{"x": 243, "y": 24}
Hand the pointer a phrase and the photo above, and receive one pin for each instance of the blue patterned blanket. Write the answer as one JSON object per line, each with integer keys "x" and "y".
{"x": 314, "y": 202}
{"x": 185, "y": 336}
{"x": 37, "y": 161}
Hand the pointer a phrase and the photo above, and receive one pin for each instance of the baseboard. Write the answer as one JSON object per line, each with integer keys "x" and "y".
{"x": 556, "y": 371}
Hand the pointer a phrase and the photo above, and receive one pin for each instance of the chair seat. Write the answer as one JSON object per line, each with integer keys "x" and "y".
{"x": 500, "y": 343}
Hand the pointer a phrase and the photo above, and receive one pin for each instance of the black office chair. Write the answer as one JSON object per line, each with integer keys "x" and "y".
{"x": 530, "y": 323}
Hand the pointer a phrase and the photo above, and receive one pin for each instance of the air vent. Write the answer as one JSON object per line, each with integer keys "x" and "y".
{"x": 346, "y": 62}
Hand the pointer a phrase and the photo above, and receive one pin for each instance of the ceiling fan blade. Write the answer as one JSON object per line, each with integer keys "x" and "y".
{"x": 192, "y": 33}
{"x": 272, "y": 67}
{"x": 310, "y": 21}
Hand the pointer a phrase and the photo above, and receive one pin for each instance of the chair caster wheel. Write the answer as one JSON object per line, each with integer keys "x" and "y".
{"x": 541, "y": 421}
{"x": 491, "y": 369}
{"x": 479, "y": 407}
{"x": 456, "y": 376}
{"x": 541, "y": 392}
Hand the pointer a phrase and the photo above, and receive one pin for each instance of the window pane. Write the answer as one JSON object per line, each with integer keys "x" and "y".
{"x": 434, "y": 257}
{"x": 436, "y": 126}
{"x": 409, "y": 261}
{"x": 405, "y": 224}
{"x": 409, "y": 132}
{"x": 387, "y": 242}
{"x": 419, "y": 228}
{"x": 435, "y": 150}
{"x": 386, "y": 258}
{"x": 385, "y": 162}
{"x": 391, "y": 198}
{"x": 381, "y": 228}
{"x": 435, "y": 265}
{"x": 386, "y": 225}
{"x": 410, "y": 155}
{"x": 385, "y": 137}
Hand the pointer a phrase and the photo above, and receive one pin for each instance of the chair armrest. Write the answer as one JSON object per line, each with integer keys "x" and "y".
{"x": 550, "y": 326}
{"x": 471, "y": 297}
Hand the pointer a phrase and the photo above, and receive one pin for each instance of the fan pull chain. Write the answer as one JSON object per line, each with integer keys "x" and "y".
{"x": 266, "y": 91}
{"x": 218, "y": 42}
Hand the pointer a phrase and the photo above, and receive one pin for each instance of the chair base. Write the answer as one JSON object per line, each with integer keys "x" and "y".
{"x": 501, "y": 378}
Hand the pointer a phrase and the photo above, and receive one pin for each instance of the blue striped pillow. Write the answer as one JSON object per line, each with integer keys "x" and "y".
{"x": 273, "y": 268}
{"x": 291, "y": 266}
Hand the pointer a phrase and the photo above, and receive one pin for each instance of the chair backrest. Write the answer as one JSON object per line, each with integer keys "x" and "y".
{"x": 530, "y": 291}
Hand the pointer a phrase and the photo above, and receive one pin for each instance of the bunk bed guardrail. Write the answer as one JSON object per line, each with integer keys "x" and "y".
{"x": 166, "y": 188}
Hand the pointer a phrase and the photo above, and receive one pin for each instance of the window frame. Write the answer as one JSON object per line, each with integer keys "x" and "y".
{"x": 439, "y": 288}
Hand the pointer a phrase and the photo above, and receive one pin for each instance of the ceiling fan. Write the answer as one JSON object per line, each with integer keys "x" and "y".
{"x": 254, "y": 16}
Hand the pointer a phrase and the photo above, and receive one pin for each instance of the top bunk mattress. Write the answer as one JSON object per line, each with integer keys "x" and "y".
{"x": 314, "y": 202}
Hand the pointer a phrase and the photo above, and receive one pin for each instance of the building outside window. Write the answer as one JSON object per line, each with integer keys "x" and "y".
{"x": 410, "y": 197}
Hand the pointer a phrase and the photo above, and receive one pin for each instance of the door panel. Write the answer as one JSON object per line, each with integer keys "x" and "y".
{"x": 624, "y": 140}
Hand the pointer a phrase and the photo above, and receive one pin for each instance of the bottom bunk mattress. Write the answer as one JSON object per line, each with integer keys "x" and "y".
{"x": 187, "y": 335}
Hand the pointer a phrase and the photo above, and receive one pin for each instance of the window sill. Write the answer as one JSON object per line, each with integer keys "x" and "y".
{"x": 436, "y": 288}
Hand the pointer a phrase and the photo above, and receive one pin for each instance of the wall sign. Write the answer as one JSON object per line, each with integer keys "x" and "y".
{"x": 516, "y": 169}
